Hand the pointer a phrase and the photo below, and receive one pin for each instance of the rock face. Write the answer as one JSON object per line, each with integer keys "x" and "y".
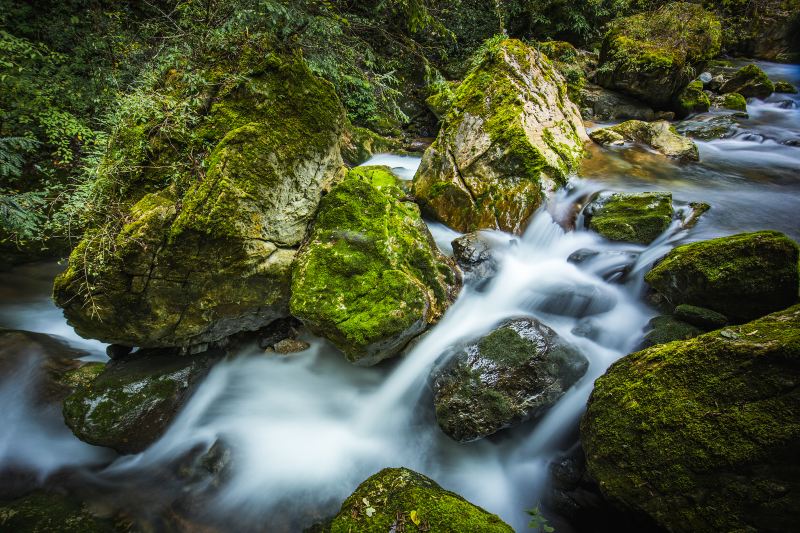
{"x": 370, "y": 277}
{"x": 127, "y": 404}
{"x": 750, "y": 82}
{"x": 195, "y": 264}
{"x": 399, "y": 499}
{"x": 638, "y": 218}
{"x": 704, "y": 434}
{"x": 659, "y": 136}
{"x": 510, "y": 138}
{"x": 515, "y": 373}
{"x": 649, "y": 55}
{"x": 743, "y": 277}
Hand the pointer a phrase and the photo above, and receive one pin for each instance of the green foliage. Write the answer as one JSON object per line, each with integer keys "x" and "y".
{"x": 538, "y": 521}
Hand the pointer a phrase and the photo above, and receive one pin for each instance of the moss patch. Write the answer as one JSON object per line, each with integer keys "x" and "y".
{"x": 638, "y": 218}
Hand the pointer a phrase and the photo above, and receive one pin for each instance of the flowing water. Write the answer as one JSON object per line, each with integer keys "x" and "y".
{"x": 303, "y": 431}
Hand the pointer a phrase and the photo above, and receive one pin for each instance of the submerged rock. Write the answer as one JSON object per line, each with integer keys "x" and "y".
{"x": 703, "y": 435}
{"x": 515, "y": 373}
{"x": 650, "y": 55}
{"x": 399, "y": 499}
{"x": 128, "y": 404}
{"x": 708, "y": 127}
{"x": 370, "y": 277}
{"x": 750, "y": 82}
{"x": 43, "y": 512}
{"x": 209, "y": 256}
{"x": 660, "y": 136}
{"x": 743, "y": 276}
{"x": 630, "y": 217}
{"x": 509, "y": 140}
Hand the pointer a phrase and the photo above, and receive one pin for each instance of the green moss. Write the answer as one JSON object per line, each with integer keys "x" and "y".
{"x": 742, "y": 276}
{"x": 668, "y": 328}
{"x": 42, "y": 512}
{"x": 380, "y": 177}
{"x": 734, "y": 101}
{"x": 403, "y": 499}
{"x": 784, "y": 87}
{"x": 749, "y": 81}
{"x": 702, "y": 434}
{"x": 370, "y": 277}
{"x": 506, "y": 346}
{"x": 638, "y": 218}
{"x": 359, "y": 144}
{"x": 692, "y": 99}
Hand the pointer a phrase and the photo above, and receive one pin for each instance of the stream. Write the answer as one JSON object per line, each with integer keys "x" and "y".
{"x": 304, "y": 431}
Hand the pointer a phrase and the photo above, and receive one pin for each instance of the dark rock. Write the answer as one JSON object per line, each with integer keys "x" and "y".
{"x": 749, "y": 81}
{"x": 516, "y": 372}
{"x": 667, "y": 328}
{"x": 285, "y": 328}
{"x": 117, "y": 351}
{"x": 474, "y": 254}
{"x": 577, "y": 301}
{"x": 708, "y": 127}
{"x": 701, "y": 317}
{"x": 43, "y": 512}
{"x": 605, "y": 105}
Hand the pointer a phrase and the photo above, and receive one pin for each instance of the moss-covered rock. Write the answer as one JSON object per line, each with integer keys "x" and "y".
{"x": 704, "y": 434}
{"x": 750, "y": 82}
{"x": 784, "y": 87}
{"x": 630, "y": 217}
{"x": 193, "y": 264}
{"x": 398, "y": 499}
{"x": 359, "y": 144}
{"x": 733, "y": 101}
{"x": 128, "y": 404}
{"x": 668, "y": 328}
{"x": 659, "y": 136}
{"x": 692, "y": 99}
{"x": 370, "y": 277}
{"x": 650, "y": 55}
{"x": 743, "y": 277}
{"x": 510, "y": 138}
{"x": 42, "y": 512}
{"x": 515, "y": 373}
{"x": 701, "y": 317}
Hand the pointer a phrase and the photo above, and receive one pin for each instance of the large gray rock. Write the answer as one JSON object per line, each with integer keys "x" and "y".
{"x": 510, "y": 139}
{"x": 607, "y": 105}
{"x": 516, "y": 372}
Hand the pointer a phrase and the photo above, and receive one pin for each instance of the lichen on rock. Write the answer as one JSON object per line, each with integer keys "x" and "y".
{"x": 509, "y": 140}
{"x": 370, "y": 277}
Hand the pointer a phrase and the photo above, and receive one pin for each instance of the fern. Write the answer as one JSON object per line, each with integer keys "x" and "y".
{"x": 12, "y": 155}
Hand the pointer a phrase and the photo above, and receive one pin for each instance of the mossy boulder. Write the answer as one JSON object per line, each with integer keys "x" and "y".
{"x": 660, "y": 136}
{"x": 195, "y": 263}
{"x": 630, "y": 217}
{"x": 650, "y": 55}
{"x": 43, "y": 512}
{"x": 784, "y": 87}
{"x": 704, "y": 434}
{"x": 701, "y": 317}
{"x": 510, "y": 139}
{"x": 732, "y": 101}
{"x": 128, "y": 404}
{"x": 370, "y": 277}
{"x": 691, "y": 99}
{"x": 668, "y": 328}
{"x": 515, "y": 373}
{"x": 398, "y": 499}
{"x": 359, "y": 144}
{"x": 750, "y": 82}
{"x": 743, "y": 277}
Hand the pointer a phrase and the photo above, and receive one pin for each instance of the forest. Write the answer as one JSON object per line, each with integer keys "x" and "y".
{"x": 399, "y": 265}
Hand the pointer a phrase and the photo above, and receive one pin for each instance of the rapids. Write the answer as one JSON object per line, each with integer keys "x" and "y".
{"x": 303, "y": 431}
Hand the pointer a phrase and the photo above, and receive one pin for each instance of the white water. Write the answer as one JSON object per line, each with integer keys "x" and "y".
{"x": 405, "y": 166}
{"x": 305, "y": 430}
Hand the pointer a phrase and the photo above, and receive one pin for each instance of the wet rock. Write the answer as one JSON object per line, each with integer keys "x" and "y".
{"x": 606, "y": 105}
{"x": 749, "y": 81}
{"x": 743, "y": 276}
{"x": 399, "y": 499}
{"x": 576, "y": 301}
{"x": 732, "y": 101}
{"x": 691, "y": 214}
{"x": 709, "y": 127}
{"x": 285, "y": 328}
{"x": 703, "y": 434}
{"x": 370, "y": 278}
{"x": 611, "y": 265}
{"x": 42, "y": 512}
{"x": 703, "y": 318}
{"x": 359, "y": 144}
{"x": 660, "y": 136}
{"x": 129, "y": 403}
{"x": 475, "y": 254}
{"x": 630, "y": 217}
{"x": 668, "y": 328}
{"x": 117, "y": 351}
{"x": 646, "y": 55}
{"x": 784, "y": 87}
{"x": 287, "y": 346}
{"x": 194, "y": 264}
{"x": 692, "y": 99}
{"x": 510, "y": 139}
{"x": 515, "y": 373}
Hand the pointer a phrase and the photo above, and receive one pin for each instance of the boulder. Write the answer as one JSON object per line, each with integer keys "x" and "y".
{"x": 732, "y": 101}
{"x": 784, "y": 87}
{"x": 475, "y": 254}
{"x": 515, "y": 373}
{"x": 399, "y": 499}
{"x": 708, "y": 127}
{"x": 129, "y": 403}
{"x": 359, "y": 144}
{"x": 42, "y": 512}
{"x": 210, "y": 255}
{"x": 703, "y": 318}
{"x": 606, "y": 105}
{"x": 630, "y": 217}
{"x": 743, "y": 277}
{"x": 703, "y": 434}
{"x": 509, "y": 140}
{"x": 750, "y": 82}
{"x": 692, "y": 99}
{"x": 660, "y": 136}
{"x": 370, "y": 277}
{"x": 668, "y": 328}
{"x": 650, "y": 55}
